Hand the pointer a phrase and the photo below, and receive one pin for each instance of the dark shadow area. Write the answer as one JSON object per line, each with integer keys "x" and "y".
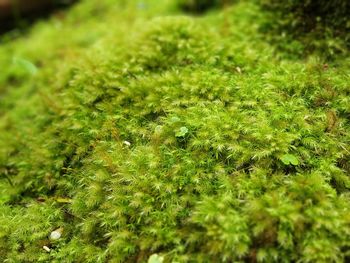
{"x": 19, "y": 14}
{"x": 198, "y": 7}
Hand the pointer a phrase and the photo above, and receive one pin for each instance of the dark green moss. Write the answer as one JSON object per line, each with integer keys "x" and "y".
{"x": 323, "y": 26}
{"x": 201, "y": 6}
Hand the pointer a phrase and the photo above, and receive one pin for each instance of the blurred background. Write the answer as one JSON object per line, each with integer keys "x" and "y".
{"x": 20, "y": 13}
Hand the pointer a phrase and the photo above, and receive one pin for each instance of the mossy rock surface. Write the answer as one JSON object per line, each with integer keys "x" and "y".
{"x": 136, "y": 131}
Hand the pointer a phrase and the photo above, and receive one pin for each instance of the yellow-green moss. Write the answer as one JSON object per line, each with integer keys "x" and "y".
{"x": 138, "y": 130}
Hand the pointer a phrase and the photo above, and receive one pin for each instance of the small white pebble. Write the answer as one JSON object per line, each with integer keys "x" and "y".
{"x": 56, "y": 234}
{"x": 46, "y": 248}
{"x": 127, "y": 143}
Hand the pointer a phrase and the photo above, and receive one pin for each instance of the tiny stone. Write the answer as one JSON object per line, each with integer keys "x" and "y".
{"x": 55, "y": 234}
{"x": 127, "y": 143}
{"x": 46, "y": 248}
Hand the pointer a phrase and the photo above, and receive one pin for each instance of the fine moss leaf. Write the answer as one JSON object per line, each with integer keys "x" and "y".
{"x": 181, "y": 132}
{"x": 288, "y": 159}
{"x": 25, "y": 65}
{"x": 155, "y": 258}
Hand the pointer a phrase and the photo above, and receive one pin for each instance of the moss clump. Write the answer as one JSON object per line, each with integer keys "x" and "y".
{"x": 165, "y": 134}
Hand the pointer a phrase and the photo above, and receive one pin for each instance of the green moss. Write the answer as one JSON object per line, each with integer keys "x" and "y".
{"x": 140, "y": 131}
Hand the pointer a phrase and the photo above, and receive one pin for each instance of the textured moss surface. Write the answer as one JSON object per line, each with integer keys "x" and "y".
{"x": 137, "y": 130}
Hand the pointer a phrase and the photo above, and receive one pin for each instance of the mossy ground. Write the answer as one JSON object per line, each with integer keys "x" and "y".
{"x": 139, "y": 130}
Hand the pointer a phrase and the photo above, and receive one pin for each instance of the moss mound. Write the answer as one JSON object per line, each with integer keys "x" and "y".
{"x": 152, "y": 132}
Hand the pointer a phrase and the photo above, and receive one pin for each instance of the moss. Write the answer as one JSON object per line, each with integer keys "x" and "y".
{"x": 323, "y": 26}
{"x": 150, "y": 132}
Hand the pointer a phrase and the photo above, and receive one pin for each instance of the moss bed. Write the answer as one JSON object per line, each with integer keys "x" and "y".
{"x": 135, "y": 130}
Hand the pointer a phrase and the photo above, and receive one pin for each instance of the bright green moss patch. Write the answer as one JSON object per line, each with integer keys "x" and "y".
{"x": 137, "y": 131}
